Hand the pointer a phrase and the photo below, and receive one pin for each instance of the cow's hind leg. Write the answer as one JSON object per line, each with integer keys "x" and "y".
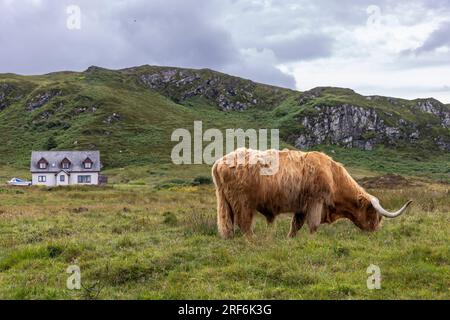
{"x": 314, "y": 216}
{"x": 296, "y": 224}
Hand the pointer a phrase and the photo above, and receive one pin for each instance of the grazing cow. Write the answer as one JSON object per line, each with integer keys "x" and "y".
{"x": 310, "y": 185}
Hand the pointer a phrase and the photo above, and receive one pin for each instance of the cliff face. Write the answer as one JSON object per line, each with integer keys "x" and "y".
{"x": 351, "y": 126}
{"x": 227, "y": 92}
{"x": 369, "y": 121}
{"x": 436, "y": 108}
{"x": 9, "y": 94}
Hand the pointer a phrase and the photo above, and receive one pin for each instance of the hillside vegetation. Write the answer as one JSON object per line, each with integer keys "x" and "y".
{"x": 130, "y": 114}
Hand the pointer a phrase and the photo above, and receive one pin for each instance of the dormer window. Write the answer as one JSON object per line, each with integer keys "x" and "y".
{"x": 87, "y": 164}
{"x": 65, "y": 164}
{"x": 42, "y": 164}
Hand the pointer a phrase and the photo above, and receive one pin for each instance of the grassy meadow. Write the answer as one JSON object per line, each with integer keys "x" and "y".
{"x": 155, "y": 238}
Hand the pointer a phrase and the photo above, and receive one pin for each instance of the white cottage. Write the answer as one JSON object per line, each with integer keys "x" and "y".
{"x": 62, "y": 168}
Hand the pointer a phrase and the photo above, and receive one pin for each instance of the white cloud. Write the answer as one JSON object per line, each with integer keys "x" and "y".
{"x": 370, "y": 58}
{"x": 368, "y": 79}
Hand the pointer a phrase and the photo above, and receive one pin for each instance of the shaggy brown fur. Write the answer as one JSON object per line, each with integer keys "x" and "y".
{"x": 310, "y": 185}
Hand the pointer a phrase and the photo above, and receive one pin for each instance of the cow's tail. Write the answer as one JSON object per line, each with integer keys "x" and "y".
{"x": 225, "y": 217}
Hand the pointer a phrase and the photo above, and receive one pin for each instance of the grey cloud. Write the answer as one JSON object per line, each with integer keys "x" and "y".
{"x": 439, "y": 38}
{"x": 218, "y": 34}
{"x": 170, "y": 32}
{"x": 303, "y": 47}
{"x": 259, "y": 65}
{"x": 140, "y": 32}
{"x": 123, "y": 34}
{"x": 266, "y": 74}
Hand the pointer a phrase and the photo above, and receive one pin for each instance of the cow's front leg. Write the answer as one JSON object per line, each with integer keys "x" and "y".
{"x": 296, "y": 224}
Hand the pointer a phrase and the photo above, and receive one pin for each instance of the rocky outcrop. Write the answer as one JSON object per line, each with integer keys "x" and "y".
{"x": 9, "y": 94}
{"x": 442, "y": 144}
{"x": 182, "y": 85}
{"x": 342, "y": 117}
{"x": 435, "y": 108}
{"x": 80, "y": 105}
{"x": 41, "y": 99}
{"x": 351, "y": 126}
{"x": 227, "y": 92}
{"x": 112, "y": 118}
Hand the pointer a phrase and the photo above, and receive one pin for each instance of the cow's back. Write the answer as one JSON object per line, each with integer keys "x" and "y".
{"x": 300, "y": 176}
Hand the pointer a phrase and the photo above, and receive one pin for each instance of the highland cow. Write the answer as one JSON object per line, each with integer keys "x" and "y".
{"x": 310, "y": 185}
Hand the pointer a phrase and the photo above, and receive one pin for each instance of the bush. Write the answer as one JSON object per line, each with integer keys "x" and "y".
{"x": 50, "y": 143}
{"x": 54, "y": 250}
{"x": 170, "y": 218}
{"x": 201, "y": 180}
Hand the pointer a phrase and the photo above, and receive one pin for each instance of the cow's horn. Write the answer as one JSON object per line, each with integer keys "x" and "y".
{"x": 376, "y": 204}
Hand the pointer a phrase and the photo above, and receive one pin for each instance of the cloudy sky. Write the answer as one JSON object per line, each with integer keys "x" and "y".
{"x": 397, "y": 48}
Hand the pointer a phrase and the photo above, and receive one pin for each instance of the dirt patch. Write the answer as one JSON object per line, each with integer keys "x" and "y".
{"x": 388, "y": 181}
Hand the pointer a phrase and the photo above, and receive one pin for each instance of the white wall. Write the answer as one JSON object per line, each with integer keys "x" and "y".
{"x": 53, "y": 180}
{"x": 50, "y": 181}
{"x": 58, "y": 179}
{"x": 74, "y": 178}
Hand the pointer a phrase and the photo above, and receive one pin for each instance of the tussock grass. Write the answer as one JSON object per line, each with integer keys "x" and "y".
{"x": 132, "y": 242}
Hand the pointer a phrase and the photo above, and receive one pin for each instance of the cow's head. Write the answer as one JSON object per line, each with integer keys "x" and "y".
{"x": 366, "y": 212}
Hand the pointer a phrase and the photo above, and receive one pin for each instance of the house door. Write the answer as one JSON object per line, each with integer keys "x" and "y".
{"x": 62, "y": 179}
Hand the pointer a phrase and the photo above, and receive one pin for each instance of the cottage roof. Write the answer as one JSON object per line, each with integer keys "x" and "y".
{"x": 76, "y": 158}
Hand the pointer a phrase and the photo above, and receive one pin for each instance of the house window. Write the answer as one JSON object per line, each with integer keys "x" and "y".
{"x": 42, "y": 179}
{"x": 65, "y": 164}
{"x": 87, "y": 164}
{"x": 84, "y": 179}
{"x": 42, "y": 164}
{"x": 62, "y": 178}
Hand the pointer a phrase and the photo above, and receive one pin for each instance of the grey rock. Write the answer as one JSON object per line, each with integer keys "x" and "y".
{"x": 435, "y": 108}
{"x": 442, "y": 144}
{"x": 112, "y": 118}
{"x": 349, "y": 126}
{"x": 224, "y": 92}
{"x": 9, "y": 94}
{"x": 41, "y": 99}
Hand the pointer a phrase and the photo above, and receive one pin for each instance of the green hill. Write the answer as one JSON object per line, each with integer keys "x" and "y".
{"x": 130, "y": 114}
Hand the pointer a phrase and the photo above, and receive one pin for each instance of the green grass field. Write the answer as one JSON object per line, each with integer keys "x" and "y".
{"x": 153, "y": 240}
